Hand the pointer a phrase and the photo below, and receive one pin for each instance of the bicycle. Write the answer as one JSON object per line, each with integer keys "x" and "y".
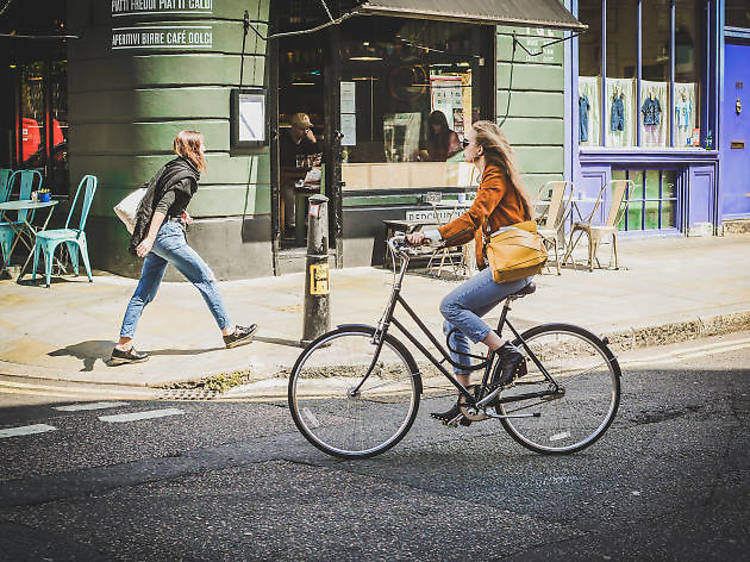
{"x": 354, "y": 392}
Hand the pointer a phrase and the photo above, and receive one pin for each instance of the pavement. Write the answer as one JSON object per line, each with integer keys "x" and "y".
{"x": 667, "y": 290}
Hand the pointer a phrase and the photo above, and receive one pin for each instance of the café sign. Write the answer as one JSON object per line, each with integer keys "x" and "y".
{"x": 154, "y": 7}
{"x": 161, "y": 36}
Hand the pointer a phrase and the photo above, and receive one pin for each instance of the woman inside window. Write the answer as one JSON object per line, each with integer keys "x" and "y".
{"x": 442, "y": 142}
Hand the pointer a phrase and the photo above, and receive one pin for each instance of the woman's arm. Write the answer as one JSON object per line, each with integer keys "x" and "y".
{"x": 461, "y": 230}
{"x": 147, "y": 243}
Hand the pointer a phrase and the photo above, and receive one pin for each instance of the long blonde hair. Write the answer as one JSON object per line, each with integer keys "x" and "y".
{"x": 497, "y": 150}
{"x": 188, "y": 145}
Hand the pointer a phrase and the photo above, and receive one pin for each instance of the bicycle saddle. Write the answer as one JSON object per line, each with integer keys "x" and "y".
{"x": 527, "y": 290}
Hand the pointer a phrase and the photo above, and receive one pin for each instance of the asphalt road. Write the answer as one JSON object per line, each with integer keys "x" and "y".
{"x": 235, "y": 481}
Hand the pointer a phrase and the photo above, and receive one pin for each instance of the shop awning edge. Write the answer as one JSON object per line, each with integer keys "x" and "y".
{"x": 548, "y": 14}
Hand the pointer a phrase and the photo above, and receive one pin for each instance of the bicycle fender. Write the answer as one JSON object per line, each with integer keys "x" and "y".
{"x": 344, "y": 326}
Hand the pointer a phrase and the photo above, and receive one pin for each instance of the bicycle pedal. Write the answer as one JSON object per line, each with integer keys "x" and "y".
{"x": 522, "y": 368}
{"x": 455, "y": 421}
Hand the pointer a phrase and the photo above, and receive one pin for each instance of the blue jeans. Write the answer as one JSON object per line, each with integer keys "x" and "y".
{"x": 463, "y": 308}
{"x": 170, "y": 246}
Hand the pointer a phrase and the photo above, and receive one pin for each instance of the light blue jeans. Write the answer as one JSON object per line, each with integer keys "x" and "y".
{"x": 464, "y": 307}
{"x": 170, "y": 246}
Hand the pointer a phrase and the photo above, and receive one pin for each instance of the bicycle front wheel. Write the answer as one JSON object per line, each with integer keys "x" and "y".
{"x": 349, "y": 401}
{"x": 587, "y": 398}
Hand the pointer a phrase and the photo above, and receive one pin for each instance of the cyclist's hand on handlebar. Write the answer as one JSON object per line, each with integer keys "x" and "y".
{"x": 417, "y": 239}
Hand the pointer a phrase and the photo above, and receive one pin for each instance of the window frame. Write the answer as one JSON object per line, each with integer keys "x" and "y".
{"x": 702, "y": 72}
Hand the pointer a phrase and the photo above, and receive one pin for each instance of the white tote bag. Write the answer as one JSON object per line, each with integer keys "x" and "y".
{"x": 127, "y": 208}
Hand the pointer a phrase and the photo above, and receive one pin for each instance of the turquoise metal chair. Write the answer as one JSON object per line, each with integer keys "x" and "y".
{"x": 74, "y": 238}
{"x": 4, "y": 184}
{"x": 26, "y": 179}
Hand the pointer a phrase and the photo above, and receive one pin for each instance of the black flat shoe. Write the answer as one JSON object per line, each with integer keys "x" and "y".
{"x": 241, "y": 335}
{"x": 448, "y": 415}
{"x": 512, "y": 365}
{"x": 120, "y": 357}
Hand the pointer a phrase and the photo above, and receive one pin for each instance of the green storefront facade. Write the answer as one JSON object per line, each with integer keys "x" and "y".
{"x": 142, "y": 70}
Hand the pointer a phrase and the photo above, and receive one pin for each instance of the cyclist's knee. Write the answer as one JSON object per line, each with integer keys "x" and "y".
{"x": 448, "y": 308}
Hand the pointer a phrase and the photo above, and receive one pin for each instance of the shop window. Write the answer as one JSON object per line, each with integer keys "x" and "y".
{"x": 409, "y": 91}
{"x": 33, "y": 123}
{"x": 737, "y": 13}
{"x": 653, "y": 204}
{"x": 621, "y": 72}
{"x": 625, "y": 119}
{"x": 590, "y": 72}
{"x": 687, "y": 65}
{"x": 59, "y": 110}
{"x": 43, "y": 123}
{"x": 655, "y": 68}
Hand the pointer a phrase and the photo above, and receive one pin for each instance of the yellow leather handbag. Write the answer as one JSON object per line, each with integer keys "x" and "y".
{"x": 515, "y": 252}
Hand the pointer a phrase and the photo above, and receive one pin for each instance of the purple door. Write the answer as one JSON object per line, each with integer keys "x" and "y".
{"x": 735, "y": 134}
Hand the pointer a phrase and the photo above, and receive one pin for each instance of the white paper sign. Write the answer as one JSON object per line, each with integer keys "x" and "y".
{"x": 252, "y": 117}
{"x": 347, "y": 98}
{"x": 349, "y": 129}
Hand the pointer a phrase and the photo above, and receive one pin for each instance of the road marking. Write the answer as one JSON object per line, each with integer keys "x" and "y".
{"x": 89, "y": 406}
{"x": 136, "y": 416}
{"x": 26, "y": 430}
{"x": 678, "y": 355}
{"x": 73, "y": 392}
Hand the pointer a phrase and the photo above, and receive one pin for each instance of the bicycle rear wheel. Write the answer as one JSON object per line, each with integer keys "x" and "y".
{"x": 588, "y": 379}
{"x": 345, "y": 404}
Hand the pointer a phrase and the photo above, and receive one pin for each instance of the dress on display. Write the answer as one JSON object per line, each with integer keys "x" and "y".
{"x": 617, "y": 121}
{"x": 583, "y": 118}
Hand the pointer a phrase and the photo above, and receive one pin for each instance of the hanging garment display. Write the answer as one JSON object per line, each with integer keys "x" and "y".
{"x": 621, "y": 112}
{"x": 589, "y": 109}
{"x": 617, "y": 121}
{"x": 655, "y": 121}
{"x": 651, "y": 110}
{"x": 685, "y": 112}
{"x": 583, "y": 118}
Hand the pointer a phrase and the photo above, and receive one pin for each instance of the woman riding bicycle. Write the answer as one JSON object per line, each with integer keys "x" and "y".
{"x": 501, "y": 201}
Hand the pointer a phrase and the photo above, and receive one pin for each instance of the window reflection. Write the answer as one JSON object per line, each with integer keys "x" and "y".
{"x": 413, "y": 91}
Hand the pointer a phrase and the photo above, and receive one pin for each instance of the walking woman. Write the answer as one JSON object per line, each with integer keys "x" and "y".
{"x": 501, "y": 201}
{"x": 159, "y": 237}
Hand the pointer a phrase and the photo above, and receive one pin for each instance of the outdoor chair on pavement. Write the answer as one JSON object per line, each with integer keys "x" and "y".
{"x": 4, "y": 185}
{"x": 558, "y": 195}
{"x": 621, "y": 192}
{"x": 74, "y": 238}
{"x": 26, "y": 184}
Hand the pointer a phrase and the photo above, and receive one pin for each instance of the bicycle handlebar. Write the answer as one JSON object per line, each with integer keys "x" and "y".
{"x": 399, "y": 245}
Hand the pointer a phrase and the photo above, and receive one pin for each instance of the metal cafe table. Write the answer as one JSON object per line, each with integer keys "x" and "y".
{"x": 25, "y": 230}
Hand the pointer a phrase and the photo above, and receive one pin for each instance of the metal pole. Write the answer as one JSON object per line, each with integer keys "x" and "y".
{"x": 317, "y": 319}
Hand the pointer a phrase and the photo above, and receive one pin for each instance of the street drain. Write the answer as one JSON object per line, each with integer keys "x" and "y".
{"x": 187, "y": 394}
{"x": 207, "y": 388}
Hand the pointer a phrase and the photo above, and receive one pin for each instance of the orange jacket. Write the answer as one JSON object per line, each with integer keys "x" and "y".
{"x": 497, "y": 204}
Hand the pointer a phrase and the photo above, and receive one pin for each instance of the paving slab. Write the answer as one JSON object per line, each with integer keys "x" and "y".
{"x": 670, "y": 289}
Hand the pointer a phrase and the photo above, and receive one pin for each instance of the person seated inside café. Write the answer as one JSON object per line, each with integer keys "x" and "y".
{"x": 300, "y": 151}
{"x": 298, "y": 140}
{"x": 442, "y": 142}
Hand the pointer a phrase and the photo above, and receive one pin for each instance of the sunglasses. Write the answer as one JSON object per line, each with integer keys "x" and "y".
{"x": 465, "y": 142}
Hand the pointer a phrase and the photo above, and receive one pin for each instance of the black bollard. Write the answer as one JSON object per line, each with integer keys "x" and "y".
{"x": 317, "y": 313}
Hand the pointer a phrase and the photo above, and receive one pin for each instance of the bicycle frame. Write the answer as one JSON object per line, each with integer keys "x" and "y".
{"x": 487, "y": 362}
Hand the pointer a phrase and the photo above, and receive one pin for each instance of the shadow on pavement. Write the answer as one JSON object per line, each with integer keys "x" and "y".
{"x": 279, "y": 341}
{"x": 88, "y": 352}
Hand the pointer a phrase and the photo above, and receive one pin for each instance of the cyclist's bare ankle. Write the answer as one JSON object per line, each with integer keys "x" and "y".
{"x": 493, "y": 341}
